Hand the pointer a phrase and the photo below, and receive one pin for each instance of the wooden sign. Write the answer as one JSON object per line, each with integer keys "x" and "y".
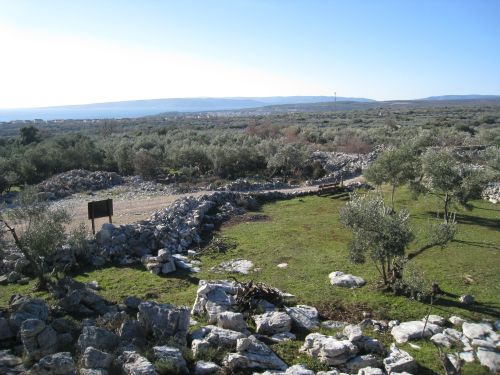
{"x": 99, "y": 209}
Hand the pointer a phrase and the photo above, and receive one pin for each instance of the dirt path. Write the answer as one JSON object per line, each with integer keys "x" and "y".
{"x": 140, "y": 208}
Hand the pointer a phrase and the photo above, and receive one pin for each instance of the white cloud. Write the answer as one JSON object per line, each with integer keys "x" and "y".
{"x": 39, "y": 69}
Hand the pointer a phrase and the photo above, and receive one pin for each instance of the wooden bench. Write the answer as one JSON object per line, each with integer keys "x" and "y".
{"x": 329, "y": 188}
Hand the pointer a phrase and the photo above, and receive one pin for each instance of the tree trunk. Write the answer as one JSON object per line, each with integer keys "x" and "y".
{"x": 446, "y": 202}
{"x": 392, "y": 197}
{"x": 384, "y": 274}
{"x": 38, "y": 270}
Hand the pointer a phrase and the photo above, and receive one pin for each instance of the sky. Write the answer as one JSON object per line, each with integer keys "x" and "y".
{"x": 59, "y": 52}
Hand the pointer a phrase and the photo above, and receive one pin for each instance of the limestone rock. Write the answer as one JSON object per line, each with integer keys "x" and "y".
{"x": 361, "y": 361}
{"x": 370, "y": 371}
{"x": 98, "y": 338}
{"x": 241, "y": 266}
{"x": 435, "y": 319}
{"x": 27, "y": 308}
{"x": 353, "y": 332}
{"x": 476, "y": 330}
{"x": 206, "y": 368}
{"x": 211, "y": 337}
{"x": 467, "y": 299}
{"x": 93, "y": 358}
{"x": 328, "y": 349}
{"x": 271, "y": 323}
{"x": 343, "y": 280}
{"x": 164, "y": 321}
{"x": 304, "y": 317}
{"x": 171, "y": 356}
{"x": 294, "y": 370}
{"x": 10, "y": 364}
{"x": 39, "y": 340}
{"x": 214, "y": 297}
{"x": 399, "y": 361}
{"x": 55, "y": 364}
{"x": 456, "y": 320}
{"x": 414, "y": 330}
{"x": 233, "y": 321}
{"x": 135, "y": 364}
{"x": 253, "y": 354}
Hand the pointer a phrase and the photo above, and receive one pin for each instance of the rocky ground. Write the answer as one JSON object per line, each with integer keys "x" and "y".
{"x": 147, "y": 338}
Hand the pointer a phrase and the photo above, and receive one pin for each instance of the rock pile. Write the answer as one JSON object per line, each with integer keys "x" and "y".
{"x": 77, "y": 180}
{"x": 147, "y": 337}
{"x": 339, "y": 165}
{"x": 492, "y": 192}
{"x": 247, "y": 185}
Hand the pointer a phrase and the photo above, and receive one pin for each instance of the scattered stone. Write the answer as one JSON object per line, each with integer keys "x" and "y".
{"x": 333, "y": 324}
{"x": 294, "y": 370}
{"x": 164, "y": 321}
{"x": 304, "y": 317}
{"x": 135, "y": 364}
{"x": 211, "y": 337}
{"x": 98, "y": 338}
{"x": 442, "y": 339}
{"x": 353, "y": 332}
{"x": 172, "y": 357}
{"x": 328, "y": 349}
{"x": 271, "y": 323}
{"x": 456, "y": 320}
{"x": 489, "y": 358}
{"x": 343, "y": 280}
{"x": 55, "y": 364}
{"x": 370, "y": 371}
{"x": 242, "y": 266}
{"x": 399, "y": 361}
{"x": 476, "y": 330}
{"x": 284, "y": 336}
{"x": 213, "y": 298}
{"x": 233, "y": 321}
{"x": 24, "y": 308}
{"x": 206, "y": 368}
{"x": 10, "y": 364}
{"x": 253, "y": 354}
{"x": 369, "y": 345}
{"x": 282, "y": 265}
{"x": 466, "y": 299}
{"x": 132, "y": 302}
{"x": 435, "y": 319}
{"x": 361, "y": 361}
{"x": 39, "y": 340}
{"x": 414, "y": 330}
{"x": 467, "y": 356}
{"x": 93, "y": 358}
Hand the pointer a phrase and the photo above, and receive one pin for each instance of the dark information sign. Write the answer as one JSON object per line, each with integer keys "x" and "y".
{"x": 99, "y": 209}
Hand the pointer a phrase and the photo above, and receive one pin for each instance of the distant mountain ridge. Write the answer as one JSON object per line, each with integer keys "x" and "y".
{"x": 139, "y": 108}
{"x": 461, "y": 97}
{"x": 263, "y": 105}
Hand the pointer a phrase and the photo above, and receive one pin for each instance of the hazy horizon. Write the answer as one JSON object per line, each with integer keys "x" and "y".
{"x": 86, "y": 52}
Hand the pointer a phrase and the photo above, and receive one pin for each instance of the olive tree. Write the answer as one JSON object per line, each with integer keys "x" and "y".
{"x": 37, "y": 231}
{"x": 395, "y": 166}
{"x": 377, "y": 231}
{"x": 446, "y": 177}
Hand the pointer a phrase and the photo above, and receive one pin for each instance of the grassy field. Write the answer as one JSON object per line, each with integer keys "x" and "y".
{"x": 306, "y": 234}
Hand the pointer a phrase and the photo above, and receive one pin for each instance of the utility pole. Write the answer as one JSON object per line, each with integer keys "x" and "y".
{"x": 335, "y": 101}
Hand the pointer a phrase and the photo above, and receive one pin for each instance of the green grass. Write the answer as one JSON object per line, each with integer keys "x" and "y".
{"x": 306, "y": 234}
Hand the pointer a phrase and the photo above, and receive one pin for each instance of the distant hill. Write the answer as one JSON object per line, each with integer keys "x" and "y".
{"x": 140, "y": 108}
{"x": 462, "y": 97}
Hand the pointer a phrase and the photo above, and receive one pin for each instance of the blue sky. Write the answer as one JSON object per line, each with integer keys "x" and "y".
{"x": 69, "y": 52}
